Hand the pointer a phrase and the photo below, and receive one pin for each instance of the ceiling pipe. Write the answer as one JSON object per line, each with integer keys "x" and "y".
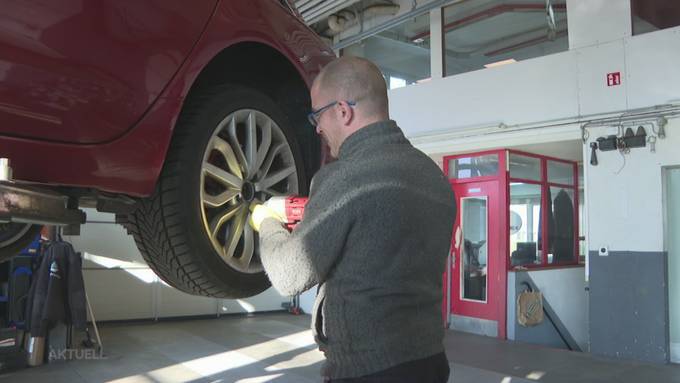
{"x": 341, "y": 21}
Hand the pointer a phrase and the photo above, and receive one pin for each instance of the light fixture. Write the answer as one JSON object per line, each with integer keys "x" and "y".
{"x": 500, "y": 63}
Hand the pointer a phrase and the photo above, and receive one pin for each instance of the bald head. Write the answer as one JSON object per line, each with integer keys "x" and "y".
{"x": 355, "y": 79}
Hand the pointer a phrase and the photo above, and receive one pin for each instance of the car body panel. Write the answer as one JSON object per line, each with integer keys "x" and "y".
{"x": 85, "y": 71}
{"x": 131, "y": 163}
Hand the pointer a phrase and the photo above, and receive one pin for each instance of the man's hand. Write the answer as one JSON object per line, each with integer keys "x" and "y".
{"x": 278, "y": 206}
{"x": 259, "y": 212}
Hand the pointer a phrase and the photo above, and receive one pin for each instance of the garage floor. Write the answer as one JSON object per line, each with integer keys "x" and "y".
{"x": 279, "y": 348}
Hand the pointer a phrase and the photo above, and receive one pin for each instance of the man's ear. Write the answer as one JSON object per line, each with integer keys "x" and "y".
{"x": 346, "y": 112}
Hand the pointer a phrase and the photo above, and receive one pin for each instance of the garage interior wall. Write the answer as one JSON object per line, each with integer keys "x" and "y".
{"x": 546, "y": 100}
{"x": 628, "y": 286}
{"x": 120, "y": 286}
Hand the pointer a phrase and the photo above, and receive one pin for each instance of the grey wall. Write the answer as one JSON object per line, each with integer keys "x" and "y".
{"x": 629, "y": 305}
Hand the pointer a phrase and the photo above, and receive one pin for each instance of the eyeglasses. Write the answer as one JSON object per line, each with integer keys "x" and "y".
{"x": 313, "y": 117}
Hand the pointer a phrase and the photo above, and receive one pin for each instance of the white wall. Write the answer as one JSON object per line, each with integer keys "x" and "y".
{"x": 624, "y": 194}
{"x": 121, "y": 286}
{"x": 541, "y": 89}
{"x": 594, "y": 22}
{"x": 555, "y": 93}
{"x": 651, "y": 68}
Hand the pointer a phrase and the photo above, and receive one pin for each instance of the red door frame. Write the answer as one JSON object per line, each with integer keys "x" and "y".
{"x": 499, "y": 311}
{"x": 497, "y": 307}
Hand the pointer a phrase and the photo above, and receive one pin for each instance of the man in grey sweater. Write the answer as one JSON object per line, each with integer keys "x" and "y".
{"x": 375, "y": 236}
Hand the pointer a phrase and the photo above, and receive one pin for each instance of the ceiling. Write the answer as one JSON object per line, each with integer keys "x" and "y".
{"x": 566, "y": 150}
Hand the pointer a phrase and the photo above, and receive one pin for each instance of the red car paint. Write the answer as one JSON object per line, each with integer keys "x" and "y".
{"x": 90, "y": 90}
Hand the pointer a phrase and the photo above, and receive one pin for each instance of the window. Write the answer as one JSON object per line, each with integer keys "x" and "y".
{"x": 524, "y": 167}
{"x": 560, "y": 173}
{"x": 525, "y": 218}
{"x": 469, "y": 167}
{"x": 402, "y": 53}
{"x": 480, "y": 33}
{"x": 561, "y": 227}
{"x": 654, "y": 15}
{"x": 474, "y": 223}
{"x": 543, "y": 212}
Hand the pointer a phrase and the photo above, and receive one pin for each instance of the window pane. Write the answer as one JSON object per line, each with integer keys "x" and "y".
{"x": 525, "y": 213}
{"x": 561, "y": 226}
{"x": 474, "y": 259}
{"x": 528, "y": 168}
{"x": 402, "y": 53}
{"x": 650, "y": 16}
{"x": 481, "y": 33}
{"x": 560, "y": 173}
{"x": 469, "y": 167}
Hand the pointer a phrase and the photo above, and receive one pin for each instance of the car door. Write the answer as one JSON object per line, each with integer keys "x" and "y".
{"x": 84, "y": 71}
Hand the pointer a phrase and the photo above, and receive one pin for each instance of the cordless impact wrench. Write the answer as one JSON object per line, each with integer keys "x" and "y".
{"x": 294, "y": 207}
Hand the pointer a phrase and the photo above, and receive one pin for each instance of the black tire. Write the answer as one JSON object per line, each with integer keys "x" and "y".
{"x": 15, "y": 237}
{"x": 168, "y": 227}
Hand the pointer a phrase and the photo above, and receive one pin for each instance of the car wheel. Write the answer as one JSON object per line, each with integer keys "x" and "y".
{"x": 232, "y": 146}
{"x": 15, "y": 237}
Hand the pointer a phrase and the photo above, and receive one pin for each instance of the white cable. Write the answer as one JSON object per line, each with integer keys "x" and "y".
{"x": 624, "y": 162}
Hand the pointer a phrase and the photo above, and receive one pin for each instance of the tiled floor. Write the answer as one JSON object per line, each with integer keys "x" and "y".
{"x": 279, "y": 348}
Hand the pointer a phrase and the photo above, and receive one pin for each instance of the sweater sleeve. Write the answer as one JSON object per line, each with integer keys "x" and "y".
{"x": 295, "y": 261}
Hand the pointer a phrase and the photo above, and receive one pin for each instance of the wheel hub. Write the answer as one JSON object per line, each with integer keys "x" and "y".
{"x": 248, "y": 191}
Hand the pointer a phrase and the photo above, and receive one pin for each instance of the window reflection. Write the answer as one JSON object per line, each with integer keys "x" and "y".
{"x": 470, "y": 167}
{"x": 481, "y": 33}
{"x": 475, "y": 249}
{"x": 525, "y": 219}
{"x": 562, "y": 222}
{"x": 650, "y": 16}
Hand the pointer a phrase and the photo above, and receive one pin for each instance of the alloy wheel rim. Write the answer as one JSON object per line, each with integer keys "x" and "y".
{"x": 247, "y": 160}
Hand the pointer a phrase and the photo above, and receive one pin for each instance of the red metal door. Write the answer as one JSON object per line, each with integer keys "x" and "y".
{"x": 477, "y": 263}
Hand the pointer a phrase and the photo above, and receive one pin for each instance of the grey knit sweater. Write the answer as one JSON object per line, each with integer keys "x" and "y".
{"x": 375, "y": 236}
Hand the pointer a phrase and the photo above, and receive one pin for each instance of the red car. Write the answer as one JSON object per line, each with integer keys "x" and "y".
{"x": 172, "y": 114}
